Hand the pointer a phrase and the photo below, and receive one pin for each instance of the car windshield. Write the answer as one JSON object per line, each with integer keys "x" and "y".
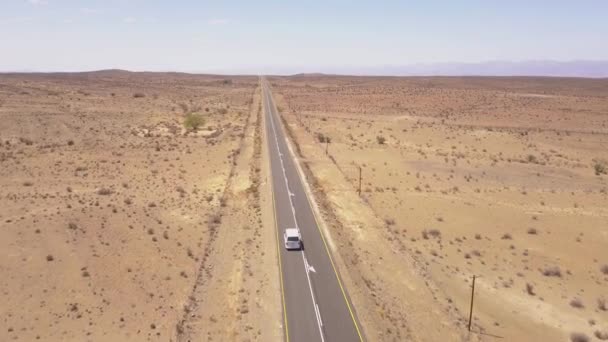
{"x": 292, "y": 238}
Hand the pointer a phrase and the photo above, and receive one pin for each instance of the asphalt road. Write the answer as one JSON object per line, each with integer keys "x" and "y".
{"x": 315, "y": 304}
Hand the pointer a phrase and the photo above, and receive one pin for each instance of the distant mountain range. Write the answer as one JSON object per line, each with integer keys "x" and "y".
{"x": 497, "y": 68}
{"x": 581, "y": 68}
{"x": 596, "y": 69}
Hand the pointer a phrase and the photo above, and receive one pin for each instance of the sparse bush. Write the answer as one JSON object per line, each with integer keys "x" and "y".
{"x": 179, "y": 327}
{"x": 323, "y": 138}
{"x": 49, "y": 258}
{"x": 530, "y": 289}
{"x": 604, "y": 269}
{"x": 193, "y": 121}
{"x": 601, "y": 335}
{"x": 552, "y": 271}
{"x": 72, "y": 226}
{"x": 579, "y": 337}
{"x": 70, "y": 142}
{"x": 532, "y": 231}
{"x": 380, "y": 139}
{"x": 217, "y": 219}
{"x": 389, "y": 221}
{"x": 139, "y": 95}
{"x": 577, "y": 303}
{"x": 435, "y": 233}
{"x": 222, "y": 111}
{"x": 27, "y": 183}
{"x": 601, "y": 304}
{"x": 27, "y": 141}
{"x": 506, "y": 236}
{"x": 600, "y": 168}
{"x": 104, "y": 191}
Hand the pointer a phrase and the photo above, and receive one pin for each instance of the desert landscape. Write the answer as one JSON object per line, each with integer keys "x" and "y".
{"x": 132, "y": 209}
{"x": 137, "y": 206}
{"x": 502, "y": 178}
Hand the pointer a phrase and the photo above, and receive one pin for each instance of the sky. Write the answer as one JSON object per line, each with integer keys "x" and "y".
{"x": 251, "y": 36}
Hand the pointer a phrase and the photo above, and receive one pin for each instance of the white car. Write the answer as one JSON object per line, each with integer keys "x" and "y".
{"x": 292, "y": 238}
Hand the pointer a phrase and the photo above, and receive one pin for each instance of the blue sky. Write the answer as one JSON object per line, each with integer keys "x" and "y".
{"x": 69, "y": 35}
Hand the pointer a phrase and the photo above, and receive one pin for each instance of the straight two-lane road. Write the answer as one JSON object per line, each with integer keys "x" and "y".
{"x": 316, "y": 305}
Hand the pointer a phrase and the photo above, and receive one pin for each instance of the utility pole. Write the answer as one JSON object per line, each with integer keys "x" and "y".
{"x": 359, "y": 180}
{"x": 471, "y": 309}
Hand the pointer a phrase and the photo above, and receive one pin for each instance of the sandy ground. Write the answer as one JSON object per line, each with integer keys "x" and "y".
{"x": 113, "y": 217}
{"x": 503, "y": 178}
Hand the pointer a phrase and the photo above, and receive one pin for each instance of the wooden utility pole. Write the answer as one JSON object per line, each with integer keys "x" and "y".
{"x": 471, "y": 309}
{"x": 359, "y": 180}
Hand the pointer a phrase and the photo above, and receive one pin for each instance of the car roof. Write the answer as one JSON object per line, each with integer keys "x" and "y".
{"x": 292, "y": 232}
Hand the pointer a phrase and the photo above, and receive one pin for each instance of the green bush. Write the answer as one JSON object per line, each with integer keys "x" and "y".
{"x": 193, "y": 121}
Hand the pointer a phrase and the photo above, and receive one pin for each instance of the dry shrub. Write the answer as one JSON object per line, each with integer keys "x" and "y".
{"x": 600, "y": 167}
{"x": 530, "y": 289}
{"x": 601, "y": 304}
{"x": 323, "y": 138}
{"x": 579, "y": 337}
{"x": 553, "y": 271}
{"x": 104, "y": 191}
{"x": 601, "y": 335}
{"x": 577, "y": 303}
{"x": 435, "y": 233}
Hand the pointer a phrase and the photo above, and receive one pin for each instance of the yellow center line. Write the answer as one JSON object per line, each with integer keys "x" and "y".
{"x": 274, "y": 211}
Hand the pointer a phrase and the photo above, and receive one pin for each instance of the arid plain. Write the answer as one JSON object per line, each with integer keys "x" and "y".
{"x": 502, "y": 178}
{"x": 136, "y": 206}
{"x": 120, "y": 222}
